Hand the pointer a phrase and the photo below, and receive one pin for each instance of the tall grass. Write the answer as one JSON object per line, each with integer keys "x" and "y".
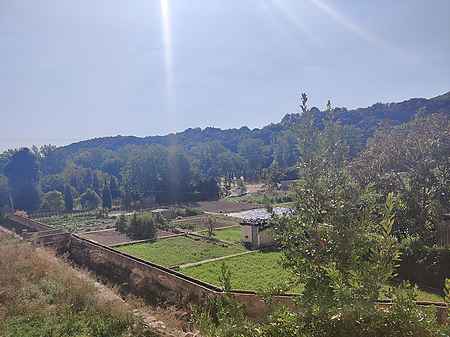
{"x": 42, "y": 296}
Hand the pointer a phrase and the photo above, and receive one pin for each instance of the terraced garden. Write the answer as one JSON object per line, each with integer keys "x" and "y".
{"x": 179, "y": 250}
{"x": 255, "y": 271}
{"x": 81, "y": 222}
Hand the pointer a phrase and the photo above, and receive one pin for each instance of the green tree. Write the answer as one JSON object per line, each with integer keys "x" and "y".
{"x": 90, "y": 200}
{"x": 114, "y": 186}
{"x": 106, "y": 197}
{"x": 68, "y": 198}
{"x": 4, "y": 193}
{"x": 122, "y": 224}
{"x": 412, "y": 160}
{"x": 22, "y": 171}
{"x": 53, "y": 201}
{"x": 143, "y": 227}
{"x": 343, "y": 250}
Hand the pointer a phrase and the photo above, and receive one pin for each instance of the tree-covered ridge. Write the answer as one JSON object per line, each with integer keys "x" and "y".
{"x": 184, "y": 166}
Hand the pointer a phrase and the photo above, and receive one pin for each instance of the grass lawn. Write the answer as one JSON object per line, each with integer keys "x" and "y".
{"x": 229, "y": 234}
{"x": 178, "y": 250}
{"x": 257, "y": 271}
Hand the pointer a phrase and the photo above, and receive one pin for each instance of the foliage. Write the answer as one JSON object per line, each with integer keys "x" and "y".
{"x": 211, "y": 225}
{"x": 223, "y": 317}
{"x": 22, "y": 171}
{"x": 53, "y": 201}
{"x": 106, "y": 197}
{"x": 225, "y": 277}
{"x": 68, "y": 198}
{"x": 4, "y": 193}
{"x": 143, "y": 227}
{"x": 90, "y": 200}
{"x": 121, "y": 224}
{"x": 414, "y": 161}
{"x": 114, "y": 187}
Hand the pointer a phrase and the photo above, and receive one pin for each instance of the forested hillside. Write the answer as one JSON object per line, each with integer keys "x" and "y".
{"x": 182, "y": 166}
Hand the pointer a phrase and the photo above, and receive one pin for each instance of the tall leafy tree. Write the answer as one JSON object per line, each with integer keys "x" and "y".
{"x": 90, "y": 199}
{"x": 106, "y": 196}
{"x": 114, "y": 186}
{"x": 22, "y": 171}
{"x": 53, "y": 201}
{"x": 68, "y": 198}
{"x": 4, "y": 193}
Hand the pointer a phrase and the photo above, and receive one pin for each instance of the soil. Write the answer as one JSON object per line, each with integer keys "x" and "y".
{"x": 202, "y": 221}
{"x": 223, "y": 206}
{"x": 110, "y": 237}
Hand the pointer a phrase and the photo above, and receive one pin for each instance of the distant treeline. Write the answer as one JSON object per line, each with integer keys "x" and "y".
{"x": 186, "y": 166}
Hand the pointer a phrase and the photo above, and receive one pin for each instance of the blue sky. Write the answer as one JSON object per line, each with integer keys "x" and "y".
{"x": 71, "y": 70}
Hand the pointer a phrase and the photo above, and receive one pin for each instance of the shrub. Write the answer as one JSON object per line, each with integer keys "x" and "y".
{"x": 140, "y": 227}
{"x": 53, "y": 201}
{"x": 90, "y": 200}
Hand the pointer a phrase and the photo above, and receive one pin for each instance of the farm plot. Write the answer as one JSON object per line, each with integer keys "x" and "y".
{"x": 200, "y": 222}
{"x": 79, "y": 222}
{"x": 179, "y": 250}
{"x": 110, "y": 237}
{"x": 223, "y": 206}
{"x": 232, "y": 234}
{"x": 256, "y": 271}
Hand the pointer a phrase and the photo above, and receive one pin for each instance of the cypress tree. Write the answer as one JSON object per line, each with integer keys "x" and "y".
{"x": 68, "y": 198}
{"x": 106, "y": 197}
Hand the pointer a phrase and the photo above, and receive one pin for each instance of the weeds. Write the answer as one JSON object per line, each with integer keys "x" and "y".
{"x": 41, "y": 296}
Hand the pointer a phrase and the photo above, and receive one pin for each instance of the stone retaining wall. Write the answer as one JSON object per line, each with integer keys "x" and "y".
{"x": 156, "y": 283}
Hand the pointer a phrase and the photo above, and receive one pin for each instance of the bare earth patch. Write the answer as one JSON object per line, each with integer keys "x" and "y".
{"x": 110, "y": 237}
{"x": 223, "y": 206}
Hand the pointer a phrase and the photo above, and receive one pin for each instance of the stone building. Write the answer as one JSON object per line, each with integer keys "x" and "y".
{"x": 257, "y": 230}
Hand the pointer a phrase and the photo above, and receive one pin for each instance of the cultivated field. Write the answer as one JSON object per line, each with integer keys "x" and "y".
{"x": 256, "y": 271}
{"x": 200, "y": 222}
{"x": 109, "y": 237}
{"x": 232, "y": 235}
{"x": 177, "y": 251}
{"x": 223, "y": 206}
{"x": 81, "y": 222}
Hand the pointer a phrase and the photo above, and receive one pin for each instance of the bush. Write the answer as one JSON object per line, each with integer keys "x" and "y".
{"x": 90, "y": 200}
{"x": 53, "y": 201}
{"x": 223, "y": 317}
{"x": 140, "y": 227}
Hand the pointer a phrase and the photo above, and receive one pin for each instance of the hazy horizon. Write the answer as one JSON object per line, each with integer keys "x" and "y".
{"x": 78, "y": 70}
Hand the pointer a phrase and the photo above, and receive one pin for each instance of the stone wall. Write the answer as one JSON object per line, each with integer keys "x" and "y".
{"x": 142, "y": 278}
{"x": 153, "y": 282}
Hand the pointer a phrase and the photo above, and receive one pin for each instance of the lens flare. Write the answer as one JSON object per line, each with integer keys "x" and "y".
{"x": 168, "y": 58}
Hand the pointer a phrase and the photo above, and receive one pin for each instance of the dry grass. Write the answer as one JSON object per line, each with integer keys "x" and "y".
{"x": 41, "y": 296}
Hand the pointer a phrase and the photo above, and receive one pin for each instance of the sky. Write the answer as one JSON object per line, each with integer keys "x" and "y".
{"x": 77, "y": 69}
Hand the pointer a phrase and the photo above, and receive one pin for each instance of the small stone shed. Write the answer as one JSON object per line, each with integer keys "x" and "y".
{"x": 256, "y": 228}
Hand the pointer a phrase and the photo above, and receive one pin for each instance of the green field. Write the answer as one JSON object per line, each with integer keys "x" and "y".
{"x": 179, "y": 250}
{"x": 79, "y": 222}
{"x": 229, "y": 234}
{"x": 256, "y": 271}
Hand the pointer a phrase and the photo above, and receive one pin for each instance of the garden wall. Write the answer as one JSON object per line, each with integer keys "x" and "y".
{"x": 153, "y": 282}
